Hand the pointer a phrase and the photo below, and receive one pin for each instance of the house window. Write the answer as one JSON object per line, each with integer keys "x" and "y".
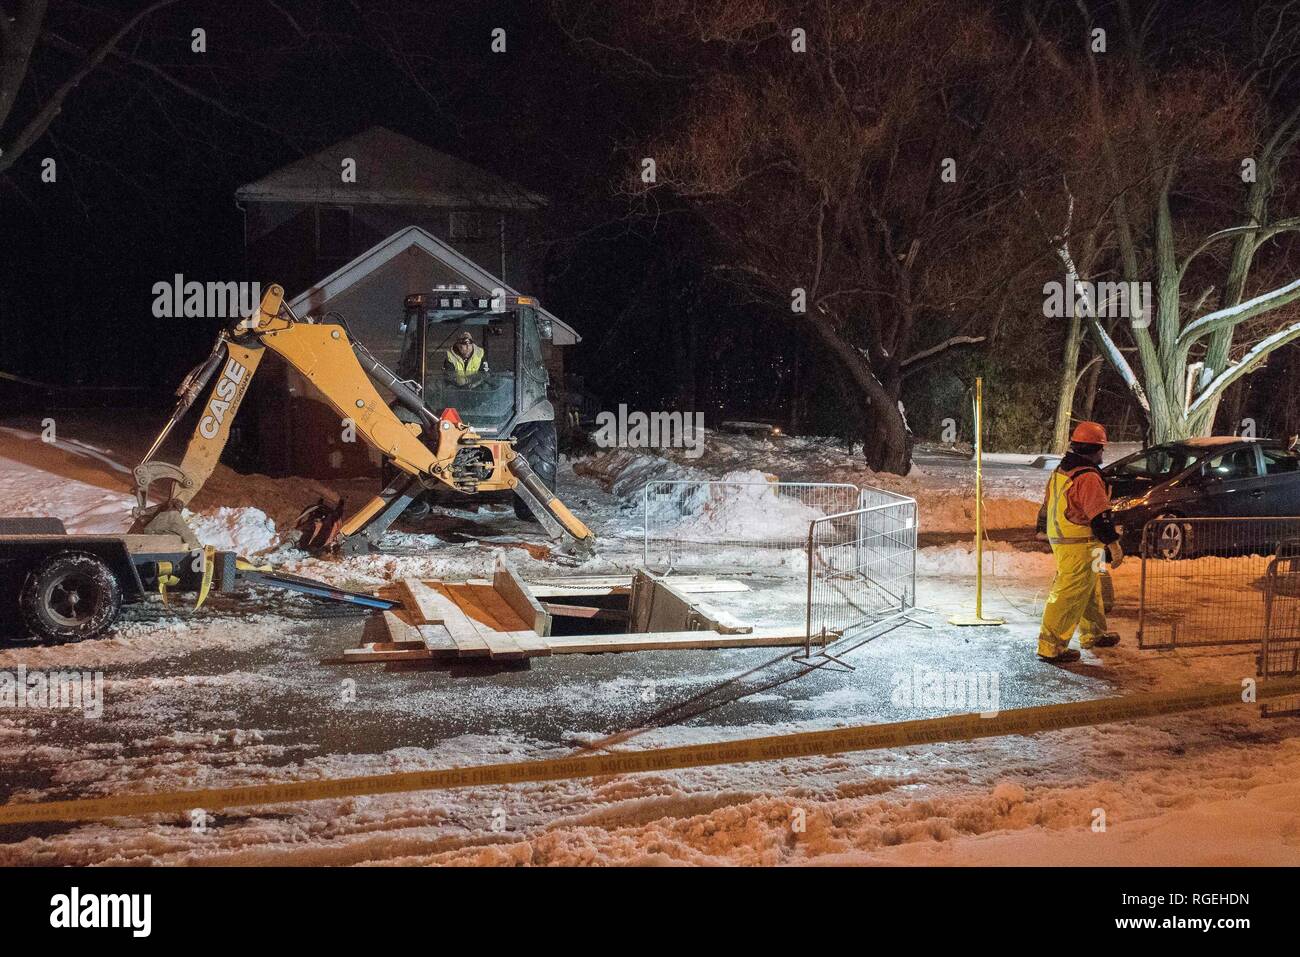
{"x": 334, "y": 233}
{"x": 470, "y": 225}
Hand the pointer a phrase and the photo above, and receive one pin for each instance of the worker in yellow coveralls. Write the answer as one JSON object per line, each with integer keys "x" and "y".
{"x": 1081, "y": 530}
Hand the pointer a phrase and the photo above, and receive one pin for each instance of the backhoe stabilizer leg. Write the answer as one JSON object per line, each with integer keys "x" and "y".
{"x": 549, "y": 510}
{"x": 362, "y": 532}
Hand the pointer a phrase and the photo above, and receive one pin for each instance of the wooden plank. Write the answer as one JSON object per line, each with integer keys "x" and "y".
{"x": 469, "y": 599}
{"x": 621, "y": 584}
{"x": 718, "y": 620}
{"x": 510, "y": 587}
{"x": 566, "y": 582}
{"x": 399, "y": 630}
{"x": 437, "y": 639}
{"x": 706, "y": 586}
{"x": 422, "y": 600}
{"x": 490, "y": 609}
{"x": 502, "y": 645}
{"x": 657, "y": 606}
{"x": 662, "y": 641}
{"x": 533, "y": 644}
{"x": 641, "y": 602}
{"x": 440, "y": 608}
{"x": 584, "y": 611}
{"x": 366, "y": 656}
{"x": 394, "y": 645}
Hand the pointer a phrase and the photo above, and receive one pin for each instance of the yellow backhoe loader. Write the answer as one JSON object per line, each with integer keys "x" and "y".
{"x": 436, "y": 450}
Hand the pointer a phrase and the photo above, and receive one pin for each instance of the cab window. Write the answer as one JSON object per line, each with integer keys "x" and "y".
{"x": 1277, "y": 461}
{"x": 1239, "y": 463}
{"x": 1156, "y": 463}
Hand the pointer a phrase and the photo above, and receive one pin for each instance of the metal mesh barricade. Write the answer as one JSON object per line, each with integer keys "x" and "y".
{"x": 861, "y": 566}
{"x": 1205, "y": 580}
{"x": 1279, "y": 653}
{"x": 749, "y": 526}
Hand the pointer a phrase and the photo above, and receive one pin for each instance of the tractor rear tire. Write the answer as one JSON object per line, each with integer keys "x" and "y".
{"x": 538, "y": 444}
{"x": 70, "y": 596}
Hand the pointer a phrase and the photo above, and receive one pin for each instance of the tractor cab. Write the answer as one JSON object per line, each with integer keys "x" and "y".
{"x": 479, "y": 355}
{"x": 482, "y": 356}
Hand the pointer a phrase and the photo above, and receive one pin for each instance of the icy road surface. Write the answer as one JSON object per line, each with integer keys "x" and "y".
{"x": 235, "y": 694}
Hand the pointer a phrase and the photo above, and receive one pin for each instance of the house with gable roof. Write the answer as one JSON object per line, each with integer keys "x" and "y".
{"x": 414, "y": 219}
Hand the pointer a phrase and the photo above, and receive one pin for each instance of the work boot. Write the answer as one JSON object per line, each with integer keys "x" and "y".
{"x": 1108, "y": 639}
{"x": 1061, "y": 657}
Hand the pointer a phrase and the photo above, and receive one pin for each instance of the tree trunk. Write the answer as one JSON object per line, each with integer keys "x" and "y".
{"x": 796, "y": 388}
{"x": 687, "y": 350}
{"x": 888, "y": 444}
{"x": 1069, "y": 382}
{"x": 1091, "y": 382}
{"x": 1236, "y": 397}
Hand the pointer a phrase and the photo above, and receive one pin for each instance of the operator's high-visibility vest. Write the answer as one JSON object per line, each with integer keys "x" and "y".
{"x": 465, "y": 367}
{"x": 1060, "y": 530}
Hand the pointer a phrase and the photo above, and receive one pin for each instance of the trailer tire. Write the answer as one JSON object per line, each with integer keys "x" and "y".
{"x": 540, "y": 448}
{"x": 70, "y": 596}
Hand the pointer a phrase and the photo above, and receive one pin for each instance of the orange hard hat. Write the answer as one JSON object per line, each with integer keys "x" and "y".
{"x": 1093, "y": 433}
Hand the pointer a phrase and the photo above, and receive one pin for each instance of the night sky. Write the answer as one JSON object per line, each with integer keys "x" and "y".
{"x": 146, "y": 176}
{"x": 147, "y": 173}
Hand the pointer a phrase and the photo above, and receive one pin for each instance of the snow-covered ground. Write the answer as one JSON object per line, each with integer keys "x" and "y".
{"x": 235, "y": 694}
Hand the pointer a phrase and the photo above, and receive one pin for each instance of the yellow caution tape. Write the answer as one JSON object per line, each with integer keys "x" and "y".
{"x": 962, "y": 727}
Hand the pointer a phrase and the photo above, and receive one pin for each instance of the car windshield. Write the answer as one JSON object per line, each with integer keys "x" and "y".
{"x": 1157, "y": 463}
{"x": 470, "y": 367}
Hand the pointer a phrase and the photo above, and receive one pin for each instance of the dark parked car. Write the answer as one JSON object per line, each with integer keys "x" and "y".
{"x": 1214, "y": 477}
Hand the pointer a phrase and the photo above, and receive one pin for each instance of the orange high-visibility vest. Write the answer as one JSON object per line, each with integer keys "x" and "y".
{"x": 1060, "y": 530}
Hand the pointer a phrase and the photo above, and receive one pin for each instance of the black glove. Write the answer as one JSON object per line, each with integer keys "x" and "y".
{"x": 1103, "y": 527}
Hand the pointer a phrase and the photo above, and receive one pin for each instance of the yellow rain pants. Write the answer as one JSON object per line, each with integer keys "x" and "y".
{"x": 1075, "y": 599}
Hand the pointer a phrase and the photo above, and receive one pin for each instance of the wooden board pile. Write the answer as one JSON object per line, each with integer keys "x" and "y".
{"x": 508, "y": 619}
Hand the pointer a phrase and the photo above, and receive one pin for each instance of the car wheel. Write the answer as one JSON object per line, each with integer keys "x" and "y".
{"x": 1173, "y": 539}
{"x": 538, "y": 444}
{"x": 71, "y": 596}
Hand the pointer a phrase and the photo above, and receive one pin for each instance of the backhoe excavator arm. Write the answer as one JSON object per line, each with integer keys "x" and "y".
{"x": 438, "y": 450}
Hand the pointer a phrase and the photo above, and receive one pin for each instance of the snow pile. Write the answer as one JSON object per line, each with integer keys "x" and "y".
{"x": 999, "y": 559}
{"x": 246, "y": 531}
{"x": 942, "y": 483}
{"x": 62, "y": 480}
{"x": 746, "y": 507}
{"x": 626, "y": 473}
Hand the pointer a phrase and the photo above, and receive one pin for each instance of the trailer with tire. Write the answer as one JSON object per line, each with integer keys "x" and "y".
{"x": 58, "y": 587}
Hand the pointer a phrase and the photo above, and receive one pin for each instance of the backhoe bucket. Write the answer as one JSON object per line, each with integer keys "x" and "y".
{"x": 319, "y": 525}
